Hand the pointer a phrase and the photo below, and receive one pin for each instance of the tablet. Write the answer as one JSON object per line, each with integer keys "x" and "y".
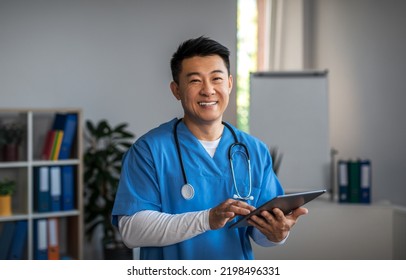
{"x": 287, "y": 203}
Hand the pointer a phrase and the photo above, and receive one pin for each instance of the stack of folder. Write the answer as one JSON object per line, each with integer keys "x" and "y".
{"x": 60, "y": 138}
{"x": 354, "y": 181}
{"x": 46, "y": 239}
{"x": 54, "y": 188}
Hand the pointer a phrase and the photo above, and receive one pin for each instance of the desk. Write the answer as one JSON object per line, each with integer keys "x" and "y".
{"x": 333, "y": 231}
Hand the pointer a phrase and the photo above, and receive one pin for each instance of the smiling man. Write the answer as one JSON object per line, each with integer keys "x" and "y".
{"x": 184, "y": 181}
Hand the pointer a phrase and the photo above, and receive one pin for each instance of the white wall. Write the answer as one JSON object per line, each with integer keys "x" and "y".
{"x": 362, "y": 43}
{"x": 110, "y": 58}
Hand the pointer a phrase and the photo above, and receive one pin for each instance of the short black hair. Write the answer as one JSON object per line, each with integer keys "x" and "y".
{"x": 201, "y": 46}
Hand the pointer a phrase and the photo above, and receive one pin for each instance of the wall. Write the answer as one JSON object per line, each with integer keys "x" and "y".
{"x": 110, "y": 58}
{"x": 362, "y": 44}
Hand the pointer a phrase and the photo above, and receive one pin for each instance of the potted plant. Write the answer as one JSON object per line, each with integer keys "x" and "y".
{"x": 7, "y": 188}
{"x": 11, "y": 135}
{"x": 106, "y": 146}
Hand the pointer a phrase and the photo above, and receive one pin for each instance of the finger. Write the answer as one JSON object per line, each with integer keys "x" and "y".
{"x": 225, "y": 211}
{"x": 278, "y": 214}
{"x": 258, "y": 221}
{"x": 300, "y": 211}
{"x": 227, "y": 215}
{"x": 228, "y": 206}
{"x": 244, "y": 205}
{"x": 241, "y": 208}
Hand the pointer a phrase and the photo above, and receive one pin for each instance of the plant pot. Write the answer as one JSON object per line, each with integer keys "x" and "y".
{"x": 10, "y": 152}
{"x": 5, "y": 205}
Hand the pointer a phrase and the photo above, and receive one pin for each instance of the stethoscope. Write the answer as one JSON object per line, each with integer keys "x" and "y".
{"x": 187, "y": 190}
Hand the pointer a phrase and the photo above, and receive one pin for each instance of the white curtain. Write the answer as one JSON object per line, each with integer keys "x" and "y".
{"x": 281, "y": 39}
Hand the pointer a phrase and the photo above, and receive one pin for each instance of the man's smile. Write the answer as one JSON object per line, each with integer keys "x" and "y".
{"x": 212, "y": 103}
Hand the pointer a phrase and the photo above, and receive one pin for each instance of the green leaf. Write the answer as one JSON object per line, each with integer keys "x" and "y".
{"x": 102, "y": 158}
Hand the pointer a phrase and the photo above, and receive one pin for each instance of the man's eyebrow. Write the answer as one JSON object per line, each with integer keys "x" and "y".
{"x": 198, "y": 73}
{"x": 192, "y": 74}
{"x": 217, "y": 71}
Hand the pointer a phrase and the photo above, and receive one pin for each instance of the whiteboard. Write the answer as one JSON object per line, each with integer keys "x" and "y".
{"x": 289, "y": 111}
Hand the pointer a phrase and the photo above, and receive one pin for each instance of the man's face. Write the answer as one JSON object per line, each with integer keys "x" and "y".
{"x": 204, "y": 88}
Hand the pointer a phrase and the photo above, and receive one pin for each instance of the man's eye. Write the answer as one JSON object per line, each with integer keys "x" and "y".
{"x": 194, "y": 81}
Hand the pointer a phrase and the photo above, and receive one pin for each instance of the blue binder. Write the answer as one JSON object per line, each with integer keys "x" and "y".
{"x": 18, "y": 245}
{"x": 59, "y": 121}
{"x": 365, "y": 191}
{"x": 55, "y": 188}
{"x": 67, "y": 123}
{"x": 41, "y": 188}
{"x": 68, "y": 187}
{"x": 6, "y": 236}
{"x": 40, "y": 240}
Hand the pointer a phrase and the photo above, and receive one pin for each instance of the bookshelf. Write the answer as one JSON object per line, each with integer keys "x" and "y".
{"x": 37, "y": 123}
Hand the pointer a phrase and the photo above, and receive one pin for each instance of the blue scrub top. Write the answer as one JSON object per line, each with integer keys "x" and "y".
{"x": 151, "y": 179}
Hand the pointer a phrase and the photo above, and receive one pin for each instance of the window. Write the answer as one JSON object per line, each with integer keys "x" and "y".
{"x": 246, "y": 57}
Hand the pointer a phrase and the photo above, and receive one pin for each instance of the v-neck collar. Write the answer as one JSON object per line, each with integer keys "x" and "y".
{"x": 213, "y": 166}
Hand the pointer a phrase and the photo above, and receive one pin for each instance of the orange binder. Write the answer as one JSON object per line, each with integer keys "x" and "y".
{"x": 53, "y": 239}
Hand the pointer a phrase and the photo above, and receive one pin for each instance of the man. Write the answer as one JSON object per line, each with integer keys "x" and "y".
{"x": 178, "y": 191}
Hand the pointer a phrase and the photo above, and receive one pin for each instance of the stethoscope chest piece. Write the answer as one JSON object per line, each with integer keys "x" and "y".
{"x": 187, "y": 191}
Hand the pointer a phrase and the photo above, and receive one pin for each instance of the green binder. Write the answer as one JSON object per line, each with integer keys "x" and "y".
{"x": 354, "y": 176}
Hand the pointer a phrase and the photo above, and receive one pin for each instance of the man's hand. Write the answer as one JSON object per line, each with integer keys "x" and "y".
{"x": 226, "y": 211}
{"x": 276, "y": 226}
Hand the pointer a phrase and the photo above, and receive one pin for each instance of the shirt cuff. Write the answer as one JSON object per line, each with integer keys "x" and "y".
{"x": 261, "y": 239}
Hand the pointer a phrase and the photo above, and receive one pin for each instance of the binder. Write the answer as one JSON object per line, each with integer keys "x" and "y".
{"x": 41, "y": 185}
{"x": 69, "y": 129}
{"x": 354, "y": 176}
{"x": 365, "y": 195}
{"x": 55, "y": 188}
{"x": 68, "y": 187}
{"x": 57, "y": 144}
{"x": 49, "y": 142}
{"x": 18, "y": 245}
{"x": 41, "y": 240}
{"x": 342, "y": 181}
{"x": 6, "y": 237}
{"x": 59, "y": 121}
{"x": 53, "y": 239}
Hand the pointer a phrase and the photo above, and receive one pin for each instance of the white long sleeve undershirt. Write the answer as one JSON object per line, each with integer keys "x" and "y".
{"x": 153, "y": 228}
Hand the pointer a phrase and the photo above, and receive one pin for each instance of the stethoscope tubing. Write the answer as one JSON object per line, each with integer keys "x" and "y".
{"x": 230, "y": 158}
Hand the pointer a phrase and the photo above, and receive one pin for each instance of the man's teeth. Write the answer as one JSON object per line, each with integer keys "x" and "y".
{"x": 207, "y": 103}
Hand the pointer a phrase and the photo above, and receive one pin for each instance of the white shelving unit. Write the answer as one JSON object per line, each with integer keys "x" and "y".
{"x": 37, "y": 122}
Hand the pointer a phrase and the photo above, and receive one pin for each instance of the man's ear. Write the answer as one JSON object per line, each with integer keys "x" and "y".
{"x": 230, "y": 84}
{"x": 175, "y": 89}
